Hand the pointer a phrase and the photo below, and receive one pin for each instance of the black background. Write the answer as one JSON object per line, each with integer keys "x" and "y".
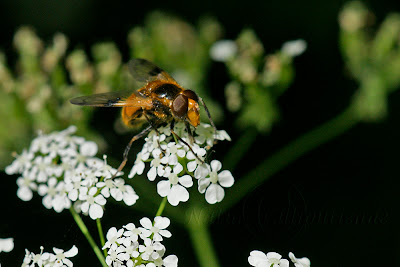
{"x": 337, "y": 205}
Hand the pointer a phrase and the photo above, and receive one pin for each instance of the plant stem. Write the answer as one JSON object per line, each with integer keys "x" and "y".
{"x": 86, "y": 233}
{"x": 161, "y": 207}
{"x": 101, "y": 235}
{"x": 291, "y": 152}
{"x": 197, "y": 226}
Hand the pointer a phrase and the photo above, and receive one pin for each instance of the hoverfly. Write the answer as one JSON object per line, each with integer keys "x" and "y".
{"x": 160, "y": 101}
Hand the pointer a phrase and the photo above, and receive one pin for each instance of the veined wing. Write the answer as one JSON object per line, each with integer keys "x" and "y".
{"x": 143, "y": 70}
{"x": 126, "y": 98}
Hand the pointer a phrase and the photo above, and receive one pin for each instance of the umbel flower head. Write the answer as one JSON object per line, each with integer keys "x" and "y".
{"x": 63, "y": 169}
{"x": 57, "y": 259}
{"x": 139, "y": 246}
{"x": 177, "y": 163}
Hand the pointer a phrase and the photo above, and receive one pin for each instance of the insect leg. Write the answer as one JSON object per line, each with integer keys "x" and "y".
{"x": 183, "y": 141}
{"x": 208, "y": 113}
{"x": 189, "y": 130}
{"x": 128, "y": 147}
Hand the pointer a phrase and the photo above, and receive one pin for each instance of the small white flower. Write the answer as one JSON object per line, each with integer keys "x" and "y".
{"x": 223, "y": 50}
{"x": 156, "y": 169}
{"x": 122, "y": 191}
{"x": 6, "y": 244}
{"x": 61, "y": 200}
{"x": 294, "y": 48}
{"x": 92, "y": 204}
{"x": 303, "y": 262}
{"x": 61, "y": 258}
{"x": 132, "y": 233}
{"x": 214, "y": 183}
{"x": 113, "y": 236}
{"x": 48, "y": 192}
{"x": 272, "y": 259}
{"x": 43, "y": 168}
{"x": 194, "y": 161}
{"x": 21, "y": 163}
{"x": 150, "y": 249}
{"x": 158, "y": 229}
{"x": 139, "y": 165}
{"x": 26, "y": 184}
{"x": 174, "y": 188}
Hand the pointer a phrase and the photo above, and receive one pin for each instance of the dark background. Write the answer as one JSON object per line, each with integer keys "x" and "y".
{"x": 337, "y": 205}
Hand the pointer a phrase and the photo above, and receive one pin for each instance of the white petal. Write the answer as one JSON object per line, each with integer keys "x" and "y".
{"x": 24, "y": 193}
{"x": 214, "y": 194}
{"x": 202, "y": 171}
{"x": 191, "y": 166}
{"x": 151, "y": 175}
{"x": 163, "y": 188}
{"x": 146, "y": 223}
{"x": 72, "y": 252}
{"x": 284, "y": 263}
{"x": 95, "y": 211}
{"x": 215, "y": 165}
{"x": 257, "y": 257}
{"x": 178, "y": 194}
{"x": 203, "y": 184}
{"x": 170, "y": 261}
{"x": 186, "y": 181}
{"x": 225, "y": 178}
{"x": 85, "y": 207}
{"x": 99, "y": 199}
{"x": 165, "y": 233}
{"x": 161, "y": 222}
{"x": 88, "y": 148}
{"x": 274, "y": 255}
{"x": 111, "y": 233}
{"x": 6, "y": 244}
{"x": 178, "y": 168}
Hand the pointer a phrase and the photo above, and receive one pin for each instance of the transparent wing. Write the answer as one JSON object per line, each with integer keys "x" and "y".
{"x": 143, "y": 70}
{"x": 126, "y": 98}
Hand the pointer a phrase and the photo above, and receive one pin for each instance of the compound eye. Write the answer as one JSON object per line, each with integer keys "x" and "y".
{"x": 180, "y": 106}
{"x": 190, "y": 94}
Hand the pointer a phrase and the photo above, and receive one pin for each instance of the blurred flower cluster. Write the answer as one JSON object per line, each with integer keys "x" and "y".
{"x": 139, "y": 246}
{"x": 372, "y": 58}
{"x": 257, "y": 80}
{"x": 63, "y": 169}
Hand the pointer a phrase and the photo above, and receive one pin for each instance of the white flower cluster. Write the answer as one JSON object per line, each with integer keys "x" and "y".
{"x": 139, "y": 246}
{"x": 272, "y": 259}
{"x": 175, "y": 161}
{"x": 46, "y": 259}
{"x": 63, "y": 169}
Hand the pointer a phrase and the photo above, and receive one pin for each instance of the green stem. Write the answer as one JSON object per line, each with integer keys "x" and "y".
{"x": 161, "y": 207}
{"x": 197, "y": 226}
{"x": 86, "y": 233}
{"x": 101, "y": 235}
{"x": 291, "y": 152}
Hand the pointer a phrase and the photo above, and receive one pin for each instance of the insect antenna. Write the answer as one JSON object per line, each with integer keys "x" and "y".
{"x": 128, "y": 147}
{"x": 208, "y": 113}
{"x": 189, "y": 130}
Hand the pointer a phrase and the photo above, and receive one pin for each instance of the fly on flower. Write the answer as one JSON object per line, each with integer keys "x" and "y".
{"x": 160, "y": 101}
